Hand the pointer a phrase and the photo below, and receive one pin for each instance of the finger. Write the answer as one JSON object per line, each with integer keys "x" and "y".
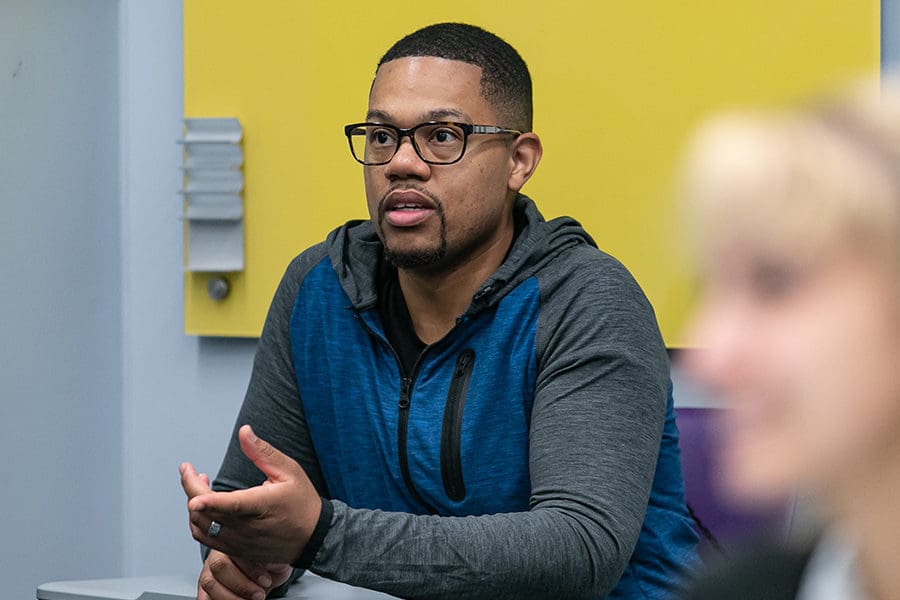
{"x": 208, "y": 587}
{"x": 230, "y": 506}
{"x": 200, "y": 532}
{"x": 276, "y": 465}
{"x": 192, "y": 483}
{"x": 258, "y": 572}
{"x": 232, "y": 534}
{"x": 279, "y": 573}
{"x": 229, "y": 537}
{"x": 222, "y": 579}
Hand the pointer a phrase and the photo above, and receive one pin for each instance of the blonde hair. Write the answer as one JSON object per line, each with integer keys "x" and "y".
{"x": 809, "y": 181}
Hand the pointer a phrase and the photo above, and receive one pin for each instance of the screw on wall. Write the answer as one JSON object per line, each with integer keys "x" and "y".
{"x": 218, "y": 288}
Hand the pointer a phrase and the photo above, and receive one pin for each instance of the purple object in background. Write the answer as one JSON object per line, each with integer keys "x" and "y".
{"x": 699, "y": 429}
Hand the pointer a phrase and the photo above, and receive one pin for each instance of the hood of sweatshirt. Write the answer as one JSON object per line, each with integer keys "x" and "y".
{"x": 355, "y": 252}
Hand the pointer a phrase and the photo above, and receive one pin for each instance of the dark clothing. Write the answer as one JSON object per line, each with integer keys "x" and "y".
{"x": 767, "y": 572}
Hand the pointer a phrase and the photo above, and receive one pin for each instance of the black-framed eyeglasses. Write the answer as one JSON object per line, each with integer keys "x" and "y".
{"x": 436, "y": 142}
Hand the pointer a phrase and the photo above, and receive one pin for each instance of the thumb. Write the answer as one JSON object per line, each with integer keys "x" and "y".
{"x": 276, "y": 465}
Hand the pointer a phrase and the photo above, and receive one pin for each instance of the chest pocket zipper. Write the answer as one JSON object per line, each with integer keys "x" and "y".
{"x": 451, "y": 430}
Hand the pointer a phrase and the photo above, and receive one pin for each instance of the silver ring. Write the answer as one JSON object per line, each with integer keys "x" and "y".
{"x": 214, "y": 529}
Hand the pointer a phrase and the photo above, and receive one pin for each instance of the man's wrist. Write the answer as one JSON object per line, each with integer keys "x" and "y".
{"x": 323, "y": 525}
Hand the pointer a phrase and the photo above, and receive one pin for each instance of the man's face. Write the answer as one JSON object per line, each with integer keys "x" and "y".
{"x": 438, "y": 217}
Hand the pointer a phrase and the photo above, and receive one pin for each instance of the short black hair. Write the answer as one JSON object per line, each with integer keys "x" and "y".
{"x": 505, "y": 81}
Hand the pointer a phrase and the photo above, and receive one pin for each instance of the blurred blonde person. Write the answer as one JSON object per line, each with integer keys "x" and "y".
{"x": 796, "y": 222}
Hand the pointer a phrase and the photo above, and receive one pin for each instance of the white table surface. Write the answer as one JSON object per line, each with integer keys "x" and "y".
{"x": 309, "y": 587}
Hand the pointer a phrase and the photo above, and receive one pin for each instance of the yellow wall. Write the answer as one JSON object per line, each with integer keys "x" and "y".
{"x": 618, "y": 85}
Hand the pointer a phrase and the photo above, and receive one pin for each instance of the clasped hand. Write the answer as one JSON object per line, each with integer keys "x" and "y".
{"x": 263, "y": 528}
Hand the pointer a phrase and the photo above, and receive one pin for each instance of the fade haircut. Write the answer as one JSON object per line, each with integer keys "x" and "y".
{"x": 505, "y": 81}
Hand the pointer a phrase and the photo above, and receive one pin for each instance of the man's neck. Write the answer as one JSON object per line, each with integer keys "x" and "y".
{"x": 436, "y": 299}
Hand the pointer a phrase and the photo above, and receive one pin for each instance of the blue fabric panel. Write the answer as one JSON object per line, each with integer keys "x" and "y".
{"x": 349, "y": 384}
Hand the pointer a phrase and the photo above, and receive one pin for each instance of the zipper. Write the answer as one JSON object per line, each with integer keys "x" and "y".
{"x": 406, "y": 385}
{"x": 451, "y": 430}
{"x": 403, "y": 403}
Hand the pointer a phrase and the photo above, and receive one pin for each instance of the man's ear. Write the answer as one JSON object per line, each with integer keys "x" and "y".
{"x": 525, "y": 156}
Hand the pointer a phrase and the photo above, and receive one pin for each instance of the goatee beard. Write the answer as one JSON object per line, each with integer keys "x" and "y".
{"x": 421, "y": 258}
{"x": 417, "y": 259}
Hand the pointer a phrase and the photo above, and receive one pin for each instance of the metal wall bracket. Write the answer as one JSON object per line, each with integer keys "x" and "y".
{"x": 213, "y": 202}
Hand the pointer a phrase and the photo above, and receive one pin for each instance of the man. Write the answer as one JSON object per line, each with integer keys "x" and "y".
{"x": 471, "y": 401}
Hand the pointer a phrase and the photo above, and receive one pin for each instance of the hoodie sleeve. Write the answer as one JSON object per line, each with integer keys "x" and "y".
{"x": 272, "y": 402}
{"x": 595, "y": 434}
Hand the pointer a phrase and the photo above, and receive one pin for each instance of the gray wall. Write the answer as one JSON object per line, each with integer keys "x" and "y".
{"x": 61, "y": 494}
{"x": 101, "y": 394}
{"x": 890, "y": 34}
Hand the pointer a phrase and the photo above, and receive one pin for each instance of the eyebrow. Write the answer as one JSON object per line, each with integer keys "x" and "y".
{"x": 440, "y": 114}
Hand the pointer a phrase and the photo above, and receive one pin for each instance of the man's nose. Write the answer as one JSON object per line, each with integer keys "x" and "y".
{"x": 406, "y": 162}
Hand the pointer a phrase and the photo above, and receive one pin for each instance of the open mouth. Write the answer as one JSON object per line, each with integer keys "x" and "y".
{"x": 407, "y": 208}
{"x": 407, "y": 215}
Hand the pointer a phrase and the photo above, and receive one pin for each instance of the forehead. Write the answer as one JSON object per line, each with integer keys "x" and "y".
{"x": 414, "y": 89}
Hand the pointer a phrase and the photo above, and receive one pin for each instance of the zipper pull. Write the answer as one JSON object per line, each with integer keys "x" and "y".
{"x": 405, "y": 385}
{"x": 462, "y": 361}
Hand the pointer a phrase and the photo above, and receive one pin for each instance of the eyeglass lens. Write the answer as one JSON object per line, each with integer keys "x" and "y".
{"x": 435, "y": 142}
